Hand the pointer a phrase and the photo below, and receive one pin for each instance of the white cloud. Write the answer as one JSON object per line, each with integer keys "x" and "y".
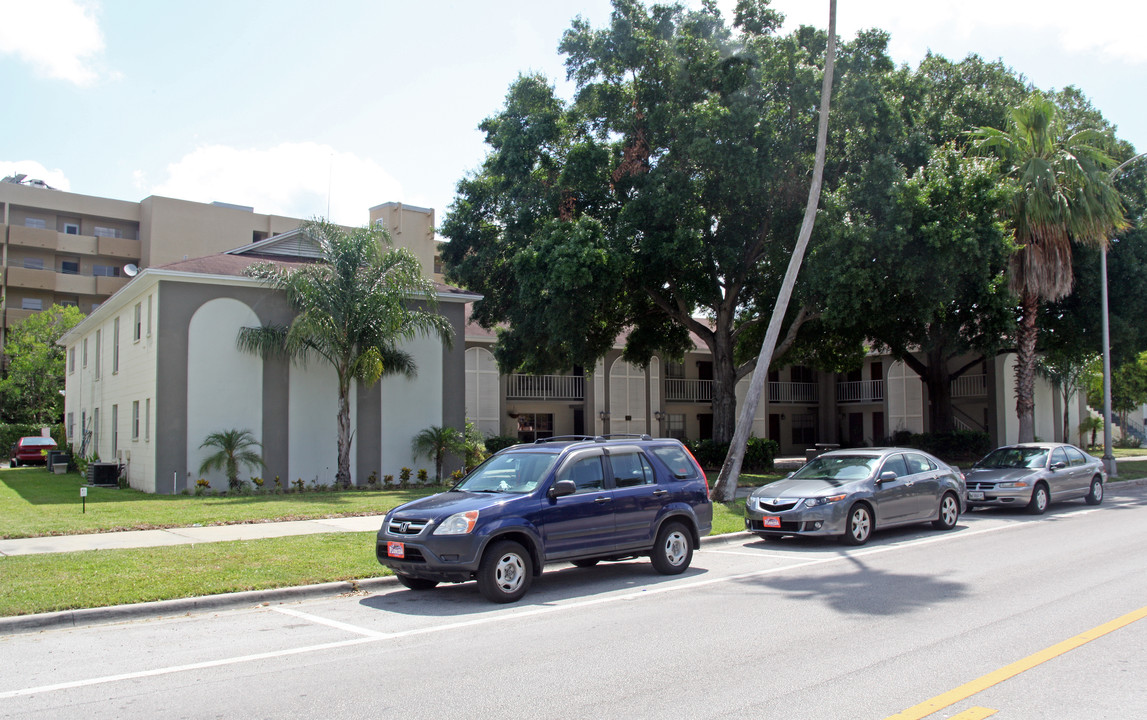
{"x": 290, "y": 179}
{"x": 35, "y": 171}
{"x": 60, "y": 38}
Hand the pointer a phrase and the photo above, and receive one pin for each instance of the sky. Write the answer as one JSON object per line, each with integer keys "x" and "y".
{"x": 308, "y": 109}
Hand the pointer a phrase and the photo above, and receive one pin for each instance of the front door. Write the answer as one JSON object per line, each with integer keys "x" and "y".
{"x": 582, "y": 523}
{"x": 894, "y": 500}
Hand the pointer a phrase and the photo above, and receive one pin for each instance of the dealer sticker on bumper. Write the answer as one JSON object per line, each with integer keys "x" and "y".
{"x": 395, "y": 550}
{"x": 771, "y": 522}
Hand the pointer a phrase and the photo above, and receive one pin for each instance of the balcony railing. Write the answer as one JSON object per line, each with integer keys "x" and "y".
{"x": 681, "y": 390}
{"x": 970, "y": 386}
{"x": 793, "y": 392}
{"x": 860, "y": 391}
{"x": 545, "y": 387}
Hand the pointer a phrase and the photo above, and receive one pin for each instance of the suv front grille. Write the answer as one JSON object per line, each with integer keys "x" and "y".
{"x": 400, "y": 526}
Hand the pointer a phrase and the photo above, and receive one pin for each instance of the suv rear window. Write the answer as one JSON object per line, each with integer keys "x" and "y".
{"x": 676, "y": 459}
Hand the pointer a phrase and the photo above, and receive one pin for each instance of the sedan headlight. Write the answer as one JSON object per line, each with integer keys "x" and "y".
{"x": 817, "y": 501}
{"x": 1016, "y": 484}
{"x": 458, "y": 524}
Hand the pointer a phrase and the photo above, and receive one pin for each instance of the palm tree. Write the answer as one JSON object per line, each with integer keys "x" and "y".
{"x": 435, "y": 442}
{"x": 1061, "y": 193}
{"x": 353, "y": 309}
{"x": 233, "y": 449}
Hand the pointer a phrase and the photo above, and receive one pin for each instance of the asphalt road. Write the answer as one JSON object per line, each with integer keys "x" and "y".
{"x": 1018, "y": 616}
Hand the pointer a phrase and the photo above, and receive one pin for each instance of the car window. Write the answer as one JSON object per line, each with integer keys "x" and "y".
{"x": 676, "y": 459}
{"x": 518, "y": 472}
{"x": 918, "y": 463}
{"x": 1015, "y": 457}
{"x": 840, "y": 468}
{"x": 631, "y": 469}
{"x": 1075, "y": 457}
{"x": 586, "y": 473}
{"x": 896, "y": 464}
{"x": 1058, "y": 456}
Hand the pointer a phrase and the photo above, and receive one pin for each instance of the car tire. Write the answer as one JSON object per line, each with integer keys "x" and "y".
{"x": 506, "y": 572}
{"x": 949, "y": 513}
{"x": 13, "y": 463}
{"x": 673, "y": 549}
{"x": 586, "y": 562}
{"x": 416, "y": 583}
{"x": 1096, "y": 495}
{"x": 769, "y": 537}
{"x": 858, "y": 526}
{"x": 1039, "y": 500}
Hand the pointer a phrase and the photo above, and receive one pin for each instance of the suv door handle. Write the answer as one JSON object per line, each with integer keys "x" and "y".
{"x": 602, "y": 500}
{"x": 659, "y": 493}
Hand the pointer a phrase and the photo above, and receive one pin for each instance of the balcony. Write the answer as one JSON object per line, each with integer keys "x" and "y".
{"x": 75, "y": 284}
{"x": 77, "y": 244}
{"x": 860, "y": 391}
{"x": 108, "y": 285}
{"x": 968, "y": 386}
{"x": 794, "y": 393}
{"x": 15, "y": 315}
{"x": 545, "y": 387}
{"x": 681, "y": 390}
{"x": 124, "y": 248}
{"x": 30, "y": 279}
{"x": 32, "y": 237}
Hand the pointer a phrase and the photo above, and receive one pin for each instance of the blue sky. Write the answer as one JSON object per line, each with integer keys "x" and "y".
{"x": 287, "y": 105}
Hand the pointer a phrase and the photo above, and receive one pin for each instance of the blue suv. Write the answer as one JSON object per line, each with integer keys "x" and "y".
{"x": 567, "y": 499}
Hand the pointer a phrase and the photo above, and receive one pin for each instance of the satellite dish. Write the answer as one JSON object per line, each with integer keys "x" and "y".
{"x": 130, "y": 270}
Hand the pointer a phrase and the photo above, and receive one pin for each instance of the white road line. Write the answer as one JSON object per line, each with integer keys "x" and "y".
{"x": 510, "y": 614}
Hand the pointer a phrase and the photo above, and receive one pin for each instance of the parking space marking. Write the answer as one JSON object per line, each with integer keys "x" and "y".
{"x": 976, "y": 713}
{"x": 510, "y": 614}
{"x": 1007, "y": 672}
{"x": 333, "y": 623}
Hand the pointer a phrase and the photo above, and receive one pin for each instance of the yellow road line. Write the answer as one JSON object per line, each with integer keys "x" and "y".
{"x": 1007, "y": 672}
{"x": 976, "y": 713}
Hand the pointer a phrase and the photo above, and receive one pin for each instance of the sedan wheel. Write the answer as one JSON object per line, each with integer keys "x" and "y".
{"x": 1040, "y": 500}
{"x": 1096, "y": 495}
{"x": 506, "y": 572}
{"x": 859, "y": 525}
{"x": 949, "y": 513}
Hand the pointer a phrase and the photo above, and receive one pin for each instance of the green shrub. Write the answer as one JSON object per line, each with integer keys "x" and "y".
{"x": 759, "y": 454}
{"x": 495, "y": 443}
{"x": 955, "y": 445}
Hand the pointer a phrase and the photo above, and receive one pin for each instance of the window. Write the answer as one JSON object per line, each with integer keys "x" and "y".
{"x": 71, "y": 425}
{"x": 97, "y": 354}
{"x": 1076, "y": 457}
{"x": 70, "y": 267}
{"x": 918, "y": 463}
{"x": 675, "y": 370}
{"x": 147, "y": 420}
{"x": 31, "y": 304}
{"x": 532, "y": 426}
{"x": 107, "y": 232}
{"x": 115, "y": 346}
{"x": 136, "y": 322}
{"x": 676, "y": 459}
{"x": 36, "y": 223}
{"x": 69, "y": 301}
{"x": 586, "y": 474}
{"x": 631, "y": 469}
{"x": 804, "y": 429}
{"x": 85, "y": 363}
{"x": 135, "y": 419}
{"x": 1058, "y": 456}
{"x": 149, "y": 316}
{"x": 115, "y": 430}
{"x": 33, "y": 263}
{"x": 105, "y": 270}
{"x": 71, "y": 360}
{"x": 895, "y": 464}
{"x": 95, "y": 431}
{"x": 71, "y": 228}
{"x": 675, "y": 426}
{"x": 802, "y": 374}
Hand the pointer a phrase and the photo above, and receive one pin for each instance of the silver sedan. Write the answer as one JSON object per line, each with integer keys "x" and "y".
{"x": 850, "y": 493}
{"x": 1034, "y": 475}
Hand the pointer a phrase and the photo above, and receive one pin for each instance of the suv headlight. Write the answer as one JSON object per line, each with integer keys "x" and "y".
{"x": 458, "y": 523}
{"x": 817, "y": 501}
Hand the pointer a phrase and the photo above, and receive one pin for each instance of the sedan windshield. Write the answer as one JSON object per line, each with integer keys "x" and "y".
{"x": 841, "y": 468}
{"x": 1015, "y": 457}
{"x": 519, "y": 472}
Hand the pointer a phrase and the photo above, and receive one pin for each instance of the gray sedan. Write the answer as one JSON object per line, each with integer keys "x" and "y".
{"x": 852, "y": 492}
{"x": 1034, "y": 475}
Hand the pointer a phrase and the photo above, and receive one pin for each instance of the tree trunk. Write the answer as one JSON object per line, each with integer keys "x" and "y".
{"x": 726, "y": 488}
{"x": 1025, "y": 367}
{"x": 342, "y": 476}
{"x": 939, "y": 382}
{"x": 724, "y": 388}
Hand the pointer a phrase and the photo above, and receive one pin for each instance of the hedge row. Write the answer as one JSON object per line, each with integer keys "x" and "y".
{"x": 759, "y": 454}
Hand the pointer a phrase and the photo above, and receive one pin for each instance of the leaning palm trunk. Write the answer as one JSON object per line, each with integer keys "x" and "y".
{"x": 726, "y": 488}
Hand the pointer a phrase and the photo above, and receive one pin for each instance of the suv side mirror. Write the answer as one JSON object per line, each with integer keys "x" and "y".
{"x": 562, "y": 488}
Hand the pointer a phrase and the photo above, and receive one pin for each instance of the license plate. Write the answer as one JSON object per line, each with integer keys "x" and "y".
{"x": 395, "y": 550}
{"x": 771, "y": 522}
{"x": 975, "y": 495}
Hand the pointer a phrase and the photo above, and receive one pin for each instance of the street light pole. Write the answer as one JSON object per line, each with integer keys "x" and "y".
{"x": 1108, "y": 456}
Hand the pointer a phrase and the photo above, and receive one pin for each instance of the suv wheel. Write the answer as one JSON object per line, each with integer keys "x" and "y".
{"x": 416, "y": 583}
{"x": 673, "y": 550}
{"x": 506, "y": 572}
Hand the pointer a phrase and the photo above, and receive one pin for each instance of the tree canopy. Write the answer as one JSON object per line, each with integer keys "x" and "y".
{"x": 30, "y": 391}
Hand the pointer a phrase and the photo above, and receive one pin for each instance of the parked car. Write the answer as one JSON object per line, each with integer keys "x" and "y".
{"x": 30, "y": 451}
{"x": 1034, "y": 475}
{"x": 850, "y": 493}
{"x": 571, "y": 499}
